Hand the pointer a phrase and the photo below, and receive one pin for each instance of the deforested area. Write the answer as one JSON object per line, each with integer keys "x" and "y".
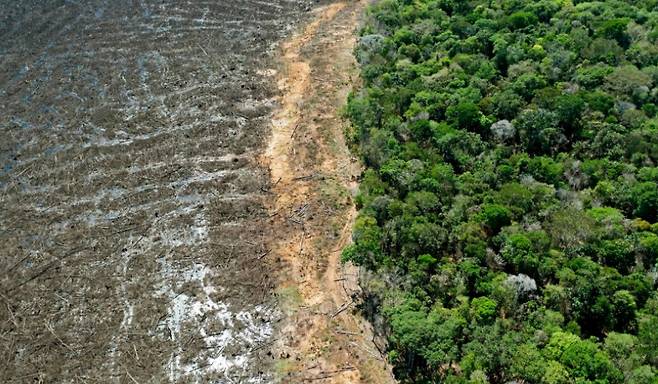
{"x": 508, "y": 213}
{"x": 132, "y": 208}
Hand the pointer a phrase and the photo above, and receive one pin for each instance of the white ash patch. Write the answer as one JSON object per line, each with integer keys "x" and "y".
{"x": 214, "y": 322}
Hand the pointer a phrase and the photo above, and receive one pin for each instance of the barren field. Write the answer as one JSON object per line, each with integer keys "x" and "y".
{"x": 133, "y": 224}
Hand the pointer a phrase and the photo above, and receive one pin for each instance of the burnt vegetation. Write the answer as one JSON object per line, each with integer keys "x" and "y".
{"x": 132, "y": 210}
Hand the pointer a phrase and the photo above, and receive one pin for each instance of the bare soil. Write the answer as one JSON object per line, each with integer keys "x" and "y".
{"x": 322, "y": 338}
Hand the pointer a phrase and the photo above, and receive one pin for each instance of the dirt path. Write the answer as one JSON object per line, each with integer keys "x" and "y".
{"x": 322, "y": 338}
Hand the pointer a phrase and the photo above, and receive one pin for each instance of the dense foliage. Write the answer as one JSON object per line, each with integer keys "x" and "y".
{"x": 509, "y": 208}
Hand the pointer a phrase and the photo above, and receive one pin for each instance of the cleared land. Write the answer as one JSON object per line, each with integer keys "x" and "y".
{"x": 133, "y": 222}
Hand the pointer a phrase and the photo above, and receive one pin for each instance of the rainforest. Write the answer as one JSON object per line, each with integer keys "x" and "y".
{"x": 509, "y": 204}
